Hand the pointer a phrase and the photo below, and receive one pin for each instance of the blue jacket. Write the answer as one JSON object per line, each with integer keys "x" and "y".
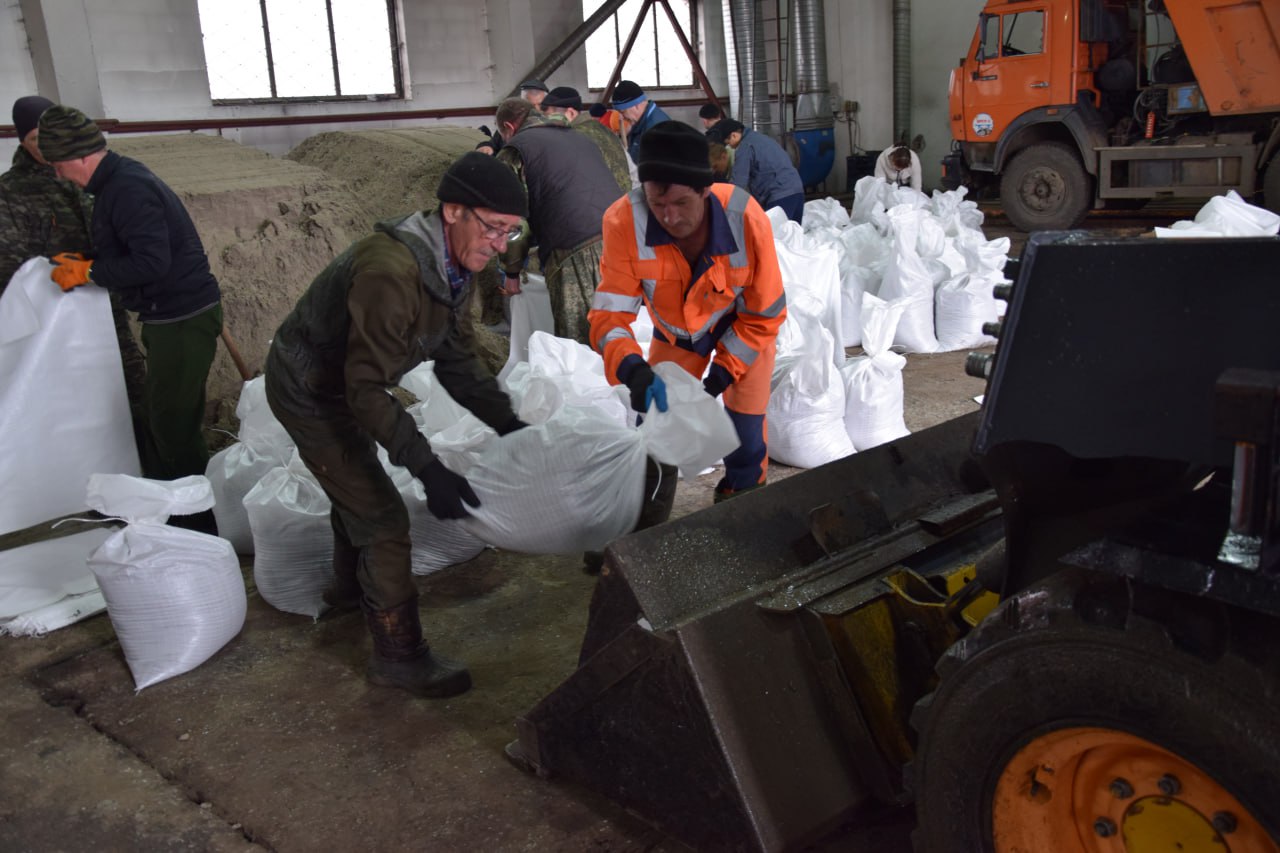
{"x": 762, "y": 168}
{"x": 146, "y": 248}
{"x": 652, "y": 115}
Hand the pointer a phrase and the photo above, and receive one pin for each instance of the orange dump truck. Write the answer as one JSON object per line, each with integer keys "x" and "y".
{"x": 1072, "y": 105}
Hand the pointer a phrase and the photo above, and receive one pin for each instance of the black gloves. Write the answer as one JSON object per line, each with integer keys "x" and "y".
{"x": 646, "y": 387}
{"x": 511, "y": 426}
{"x": 446, "y": 491}
{"x": 717, "y": 380}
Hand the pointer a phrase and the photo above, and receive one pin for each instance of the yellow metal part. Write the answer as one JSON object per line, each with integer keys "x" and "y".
{"x": 889, "y": 643}
{"x": 1096, "y": 790}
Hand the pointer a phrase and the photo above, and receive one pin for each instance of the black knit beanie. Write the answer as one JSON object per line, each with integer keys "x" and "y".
{"x": 27, "y": 112}
{"x": 710, "y": 111}
{"x": 671, "y": 152}
{"x": 627, "y": 94}
{"x": 478, "y": 180}
{"x": 598, "y": 110}
{"x": 563, "y": 96}
{"x": 68, "y": 134}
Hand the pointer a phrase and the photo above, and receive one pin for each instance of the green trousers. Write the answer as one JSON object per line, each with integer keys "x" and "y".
{"x": 179, "y": 356}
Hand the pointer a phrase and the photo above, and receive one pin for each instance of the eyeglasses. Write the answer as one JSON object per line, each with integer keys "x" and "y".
{"x": 492, "y": 232}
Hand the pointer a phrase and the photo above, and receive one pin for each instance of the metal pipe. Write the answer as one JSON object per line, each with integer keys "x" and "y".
{"x": 901, "y": 70}
{"x": 809, "y": 66}
{"x": 748, "y": 44}
{"x": 576, "y": 39}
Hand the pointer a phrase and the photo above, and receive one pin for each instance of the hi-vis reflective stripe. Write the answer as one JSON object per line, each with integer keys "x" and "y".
{"x": 734, "y": 212}
{"x": 772, "y": 311}
{"x": 640, "y": 216}
{"x": 735, "y": 346}
{"x": 615, "y": 302}
{"x": 614, "y": 335}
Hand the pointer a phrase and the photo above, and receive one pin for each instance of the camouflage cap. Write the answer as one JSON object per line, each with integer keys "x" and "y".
{"x": 67, "y": 134}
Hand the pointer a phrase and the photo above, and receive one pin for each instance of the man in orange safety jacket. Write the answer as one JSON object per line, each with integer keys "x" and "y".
{"x": 701, "y": 257}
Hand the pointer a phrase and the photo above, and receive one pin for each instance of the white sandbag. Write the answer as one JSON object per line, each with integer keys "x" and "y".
{"x": 258, "y": 425}
{"x": 980, "y": 254}
{"x": 571, "y": 484}
{"x": 233, "y": 472}
{"x": 564, "y": 372}
{"x": 45, "y": 575}
{"x": 437, "y": 543}
{"x": 530, "y": 312}
{"x": 292, "y": 539}
{"x": 873, "y": 382}
{"x": 955, "y": 213}
{"x": 961, "y": 306}
{"x": 694, "y": 432}
{"x": 64, "y": 415}
{"x": 436, "y": 409}
{"x": 806, "y": 404}
{"x": 868, "y": 205}
{"x": 175, "y": 597}
{"x": 1226, "y": 216}
{"x": 811, "y": 274}
{"x": 824, "y": 213}
{"x": 907, "y": 276}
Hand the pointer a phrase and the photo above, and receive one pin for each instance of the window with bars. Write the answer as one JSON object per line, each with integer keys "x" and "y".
{"x": 657, "y": 58}
{"x": 306, "y": 50}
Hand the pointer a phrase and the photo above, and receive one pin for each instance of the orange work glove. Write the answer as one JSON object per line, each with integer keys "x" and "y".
{"x": 72, "y": 270}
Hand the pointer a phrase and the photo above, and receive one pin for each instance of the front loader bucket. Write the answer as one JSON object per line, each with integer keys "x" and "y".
{"x": 707, "y": 698}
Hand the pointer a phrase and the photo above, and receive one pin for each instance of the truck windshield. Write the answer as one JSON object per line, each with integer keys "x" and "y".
{"x": 1023, "y": 33}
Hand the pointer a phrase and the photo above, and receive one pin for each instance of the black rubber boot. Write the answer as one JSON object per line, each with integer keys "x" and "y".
{"x": 343, "y": 593}
{"x": 402, "y": 659}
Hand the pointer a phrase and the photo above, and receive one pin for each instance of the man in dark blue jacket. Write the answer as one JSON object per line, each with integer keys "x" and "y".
{"x": 640, "y": 113}
{"x": 146, "y": 249}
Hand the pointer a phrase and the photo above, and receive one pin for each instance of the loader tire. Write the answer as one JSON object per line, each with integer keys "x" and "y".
{"x": 1045, "y": 188}
{"x": 1089, "y": 707}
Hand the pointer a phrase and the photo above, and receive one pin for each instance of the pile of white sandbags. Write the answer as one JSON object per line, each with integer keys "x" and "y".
{"x": 292, "y": 539}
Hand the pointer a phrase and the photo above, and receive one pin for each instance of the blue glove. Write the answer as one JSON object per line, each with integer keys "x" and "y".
{"x": 647, "y": 388}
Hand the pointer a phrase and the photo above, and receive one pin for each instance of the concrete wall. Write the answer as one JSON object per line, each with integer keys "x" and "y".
{"x": 946, "y": 29}
{"x": 860, "y": 68}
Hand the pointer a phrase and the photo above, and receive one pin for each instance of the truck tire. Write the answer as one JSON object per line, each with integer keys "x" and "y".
{"x": 1045, "y": 188}
{"x": 1089, "y": 707}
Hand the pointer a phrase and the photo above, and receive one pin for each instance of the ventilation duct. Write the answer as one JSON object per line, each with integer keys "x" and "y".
{"x": 901, "y": 70}
{"x": 809, "y": 66}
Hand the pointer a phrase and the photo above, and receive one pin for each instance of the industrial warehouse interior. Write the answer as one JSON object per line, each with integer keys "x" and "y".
{"x": 1007, "y": 579}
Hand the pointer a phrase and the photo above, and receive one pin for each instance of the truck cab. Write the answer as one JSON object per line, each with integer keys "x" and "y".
{"x": 1066, "y": 106}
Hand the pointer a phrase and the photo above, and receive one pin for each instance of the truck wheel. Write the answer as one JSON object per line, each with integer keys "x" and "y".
{"x": 1089, "y": 708}
{"x": 1045, "y": 188}
{"x": 1271, "y": 185}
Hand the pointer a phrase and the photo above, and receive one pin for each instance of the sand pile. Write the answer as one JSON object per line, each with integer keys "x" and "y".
{"x": 268, "y": 225}
{"x": 392, "y": 172}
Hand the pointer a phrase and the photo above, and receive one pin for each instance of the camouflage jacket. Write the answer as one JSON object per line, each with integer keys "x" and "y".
{"x": 39, "y": 215}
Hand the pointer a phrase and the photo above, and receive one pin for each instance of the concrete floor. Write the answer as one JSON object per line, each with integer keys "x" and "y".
{"x": 278, "y": 743}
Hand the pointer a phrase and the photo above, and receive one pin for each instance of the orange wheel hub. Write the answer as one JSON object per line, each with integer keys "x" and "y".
{"x": 1105, "y": 791}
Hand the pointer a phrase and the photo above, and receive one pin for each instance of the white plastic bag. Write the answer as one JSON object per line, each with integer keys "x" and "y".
{"x": 571, "y": 484}
{"x": 64, "y": 415}
{"x": 694, "y": 432}
{"x": 530, "y": 312}
{"x": 292, "y": 539}
{"x": 175, "y": 597}
{"x": 437, "y": 543}
{"x": 873, "y": 382}
{"x": 811, "y": 272}
{"x": 962, "y": 305}
{"x": 258, "y": 425}
{"x": 806, "y": 404}
{"x": 908, "y": 276}
{"x": 1226, "y": 216}
{"x": 233, "y": 472}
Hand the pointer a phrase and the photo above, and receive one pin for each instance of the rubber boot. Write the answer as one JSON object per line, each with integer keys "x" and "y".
{"x": 402, "y": 659}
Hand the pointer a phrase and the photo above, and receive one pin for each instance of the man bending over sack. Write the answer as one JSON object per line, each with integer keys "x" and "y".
{"x": 701, "y": 257}
{"x": 388, "y": 303}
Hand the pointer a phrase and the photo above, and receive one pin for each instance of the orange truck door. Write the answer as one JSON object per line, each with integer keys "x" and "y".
{"x": 1012, "y": 69}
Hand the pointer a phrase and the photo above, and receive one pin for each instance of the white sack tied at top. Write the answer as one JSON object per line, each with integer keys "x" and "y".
{"x": 259, "y": 427}
{"x": 864, "y": 254}
{"x": 824, "y": 213}
{"x": 954, "y": 212}
{"x": 233, "y": 472}
{"x": 564, "y": 372}
{"x": 695, "y": 431}
{"x": 175, "y": 597}
{"x": 962, "y": 305}
{"x": 806, "y": 403}
{"x": 1226, "y": 216}
{"x": 811, "y": 272}
{"x": 911, "y": 278}
{"x": 873, "y": 382}
{"x": 64, "y": 415}
{"x": 292, "y": 539}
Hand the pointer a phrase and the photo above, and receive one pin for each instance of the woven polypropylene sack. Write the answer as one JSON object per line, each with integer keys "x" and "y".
{"x": 233, "y": 472}
{"x": 292, "y": 540}
{"x": 574, "y": 483}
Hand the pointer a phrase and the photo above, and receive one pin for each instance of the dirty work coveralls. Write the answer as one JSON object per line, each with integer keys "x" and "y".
{"x": 381, "y": 308}
{"x": 730, "y": 305}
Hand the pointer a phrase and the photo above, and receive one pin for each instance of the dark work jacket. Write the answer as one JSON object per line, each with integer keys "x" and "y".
{"x": 570, "y": 185}
{"x": 653, "y": 114}
{"x": 377, "y": 311}
{"x": 145, "y": 247}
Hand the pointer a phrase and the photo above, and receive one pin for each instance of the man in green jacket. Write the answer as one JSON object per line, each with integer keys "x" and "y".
{"x": 388, "y": 303}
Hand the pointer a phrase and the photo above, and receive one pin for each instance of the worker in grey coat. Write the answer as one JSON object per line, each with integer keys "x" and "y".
{"x": 762, "y": 168}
